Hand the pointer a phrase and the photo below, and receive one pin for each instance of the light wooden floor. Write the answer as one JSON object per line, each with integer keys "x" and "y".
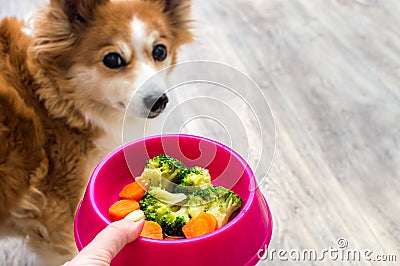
{"x": 331, "y": 73}
{"x": 330, "y": 70}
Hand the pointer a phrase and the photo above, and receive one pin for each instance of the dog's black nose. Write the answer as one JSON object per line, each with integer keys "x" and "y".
{"x": 156, "y": 103}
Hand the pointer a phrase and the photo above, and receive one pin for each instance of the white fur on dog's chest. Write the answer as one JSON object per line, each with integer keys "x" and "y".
{"x": 117, "y": 131}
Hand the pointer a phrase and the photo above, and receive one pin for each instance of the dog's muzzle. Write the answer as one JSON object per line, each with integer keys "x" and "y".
{"x": 156, "y": 104}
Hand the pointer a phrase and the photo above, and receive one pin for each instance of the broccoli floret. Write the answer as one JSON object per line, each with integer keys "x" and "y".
{"x": 170, "y": 168}
{"x": 170, "y": 217}
{"x": 196, "y": 178}
{"x": 172, "y": 222}
{"x": 218, "y": 201}
{"x": 150, "y": 177}
{"x": 153, "y": 208}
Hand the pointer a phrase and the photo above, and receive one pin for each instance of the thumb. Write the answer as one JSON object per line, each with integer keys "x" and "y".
{"x": 106, "y": 245}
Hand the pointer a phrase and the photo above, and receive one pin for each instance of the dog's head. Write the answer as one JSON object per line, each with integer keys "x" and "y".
{"x": 101, "y": 51}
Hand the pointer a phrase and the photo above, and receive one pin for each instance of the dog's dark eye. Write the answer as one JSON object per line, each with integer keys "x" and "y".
{"x": 113, "y": 61}
{"x": 160, "y": 52}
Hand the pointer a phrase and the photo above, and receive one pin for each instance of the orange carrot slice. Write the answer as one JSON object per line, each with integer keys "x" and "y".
{"x": 132, "y": 191}
{"x": 173, "y": 238}
{"x": 203, "y": 224}
{"x": 152, "y": 230}
{"x": 122, "y": 208}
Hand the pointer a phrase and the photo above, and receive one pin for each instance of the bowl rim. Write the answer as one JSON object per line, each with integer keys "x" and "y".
{"x": 244, "y": 209}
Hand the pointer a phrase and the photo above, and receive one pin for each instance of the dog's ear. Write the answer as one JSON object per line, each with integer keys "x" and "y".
{"x": 78, "y": 10}
{"x": 178, "y": 13}
{"x": 171, "y": 5}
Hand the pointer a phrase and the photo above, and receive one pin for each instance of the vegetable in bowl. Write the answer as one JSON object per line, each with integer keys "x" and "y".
{"x": 194, "y": 179}
{"x": 170, "y": 217}
{"x": 162, "y": 170}
{"x": 182, "y": 201}
{"x": 221, "y": 202}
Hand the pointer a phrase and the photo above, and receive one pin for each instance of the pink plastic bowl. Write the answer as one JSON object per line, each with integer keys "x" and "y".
{"x": 236, "y": 243}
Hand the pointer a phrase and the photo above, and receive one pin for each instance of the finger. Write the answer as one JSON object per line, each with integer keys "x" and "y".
{"x": 115, "y": 236}
{"x": 106, "y": 245}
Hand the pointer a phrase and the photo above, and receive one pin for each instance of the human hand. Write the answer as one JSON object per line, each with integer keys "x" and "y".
{"x": 106, "y": 245}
